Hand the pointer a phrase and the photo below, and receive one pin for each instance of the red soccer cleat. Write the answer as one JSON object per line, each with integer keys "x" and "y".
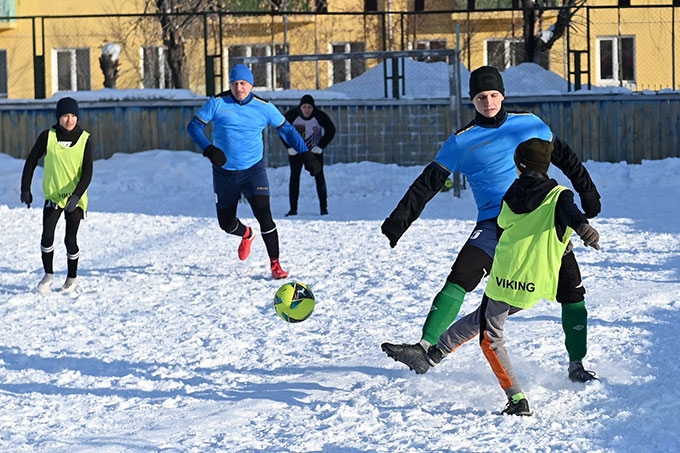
{"x": 246, "y": 243}
{"x": 277, "y": 272}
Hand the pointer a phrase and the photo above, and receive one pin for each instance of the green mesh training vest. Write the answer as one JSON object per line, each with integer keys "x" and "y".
{"x": 528, "y": 255}
{"x": 63, "y": 168}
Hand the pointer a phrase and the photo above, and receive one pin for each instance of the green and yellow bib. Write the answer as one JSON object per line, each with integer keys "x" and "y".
{"x": 528, "y": 255}
{"x": 63, "y": 169}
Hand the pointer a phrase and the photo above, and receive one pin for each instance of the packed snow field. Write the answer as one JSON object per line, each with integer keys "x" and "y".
{"x": 172, "y": 344}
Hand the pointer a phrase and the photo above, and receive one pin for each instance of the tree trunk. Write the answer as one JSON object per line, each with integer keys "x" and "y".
{"x": 176, "y": 57}
{"x": 110, "y": 69}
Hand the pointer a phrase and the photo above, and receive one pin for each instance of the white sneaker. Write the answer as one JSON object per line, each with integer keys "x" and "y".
{"x": 69, "y": 285}
{"x": 45, "y": 284}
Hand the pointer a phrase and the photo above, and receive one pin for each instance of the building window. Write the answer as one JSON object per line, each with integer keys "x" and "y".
{"x": 434, "y": 44}
{"x": 503, "y": 53}
{"x": 3, "y": 74}
{"x": 419, "y": 5}
{"x": 154, "y": 74}
{"x": 504, "y": 4}
{"x": 71, "y": 69}
{"x": 343, "y": 70}
{"x": 370, "y": 5}
{"x": 491, "y": 4}
{"x": 616, "y": 61}
{"x": 321, "y": 6}
{"x": 265, "y": 77}
{"x": 8, "y": 8}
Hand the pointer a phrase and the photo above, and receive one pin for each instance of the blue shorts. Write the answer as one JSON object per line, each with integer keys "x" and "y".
{"x": 230, "y": 184}
{"x": 485, "y": 236}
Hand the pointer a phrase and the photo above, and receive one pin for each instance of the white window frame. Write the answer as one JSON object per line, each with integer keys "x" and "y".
{"x": 73, "y": 67}
{"x": 269, "y": 82}
{"x": 160, "y": 57}
{"x": 508, "y": 56}
{"x": 346, "y": 63}
{"x": 426, "y": 44}
{"x": 616, "y": 63}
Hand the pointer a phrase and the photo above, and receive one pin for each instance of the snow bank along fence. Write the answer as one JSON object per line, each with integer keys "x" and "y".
{"x": 608, "y": 128}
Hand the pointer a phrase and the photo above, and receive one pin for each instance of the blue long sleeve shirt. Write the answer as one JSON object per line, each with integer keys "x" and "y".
{"x": 237, "y": 128}
{"x": 485, "y": 155}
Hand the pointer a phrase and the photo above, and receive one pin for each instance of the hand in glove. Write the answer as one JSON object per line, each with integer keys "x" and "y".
{"x": 590, "y": 202}
{"x": 215, "y": 155}
{"x": 27, "y": 198}
{"x": 390, "y": 235}
{"x": 312, "y": 165}
{"x": 72, "y": 203}
{"x": 292, "y": 152}
{"x": 589, "y": 235}
{"x": 316, "y": 150}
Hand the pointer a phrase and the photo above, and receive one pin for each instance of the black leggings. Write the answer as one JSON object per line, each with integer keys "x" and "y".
{"x": 51, "y": 214}
{"x": 296, "y": 164}
{"x": 262, "y": 212}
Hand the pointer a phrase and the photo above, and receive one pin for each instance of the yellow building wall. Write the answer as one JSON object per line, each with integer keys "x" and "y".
{"x": 91, "y": 33}
{"x": 310, "y": 34}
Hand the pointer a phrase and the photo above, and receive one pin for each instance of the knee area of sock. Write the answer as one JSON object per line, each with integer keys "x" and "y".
{"x": 451, "y": 288}
{"x": 574, "y": 307}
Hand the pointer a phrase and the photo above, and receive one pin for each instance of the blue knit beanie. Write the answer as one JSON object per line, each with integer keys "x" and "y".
{"x": 241, "y": 72}
{"x": 67, "y": 105}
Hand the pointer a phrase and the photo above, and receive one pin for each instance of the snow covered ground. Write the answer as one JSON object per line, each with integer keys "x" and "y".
{"x": 172, "y": 344}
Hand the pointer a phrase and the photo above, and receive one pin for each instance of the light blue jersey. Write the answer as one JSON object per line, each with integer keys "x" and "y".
{"x": 485, "y": 155}
{"x": 237, "y": 128}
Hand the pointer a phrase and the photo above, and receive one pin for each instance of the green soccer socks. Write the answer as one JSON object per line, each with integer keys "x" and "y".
{"x": 575, "y": 326}
{"x": 445, "y": 308}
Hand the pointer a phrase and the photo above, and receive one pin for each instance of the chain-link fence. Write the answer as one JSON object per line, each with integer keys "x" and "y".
{"x": 630, "y": 47}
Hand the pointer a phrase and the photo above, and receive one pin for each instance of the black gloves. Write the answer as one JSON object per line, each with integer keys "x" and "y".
{"x": 589, "y": 235}
{"x": 312, "y": 165}
{"x": 590, "y": 202}
{"x": 72, "y": 203}
{"x": 389, "y": 233}
{"x": 27, "y": 198}
{"x": 215, "y": 155}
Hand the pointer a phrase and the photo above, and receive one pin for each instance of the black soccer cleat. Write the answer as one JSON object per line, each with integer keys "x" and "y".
{"x": 411, "y": 355}
{"x": 579, "y": 374}
{"x": 520, "y": 408}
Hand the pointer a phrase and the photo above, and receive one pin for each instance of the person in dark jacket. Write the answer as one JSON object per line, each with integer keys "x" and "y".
{"x": 535, "y": 224}
{"x": 318, "y": 130}
{"x": 483, "y": 151}
{"x": 68, "y": 172}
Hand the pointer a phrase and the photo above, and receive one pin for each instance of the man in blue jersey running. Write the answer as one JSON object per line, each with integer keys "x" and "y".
{"x": 483, "y": 151}
{"x": 237, "y": 156}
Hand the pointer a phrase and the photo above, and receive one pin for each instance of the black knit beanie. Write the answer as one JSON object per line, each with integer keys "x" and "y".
{"x": 307, "y": 99}
{"x": 484, "y": 79}
{"x": 533, "y": 155}
{"x": 67, "y": 105}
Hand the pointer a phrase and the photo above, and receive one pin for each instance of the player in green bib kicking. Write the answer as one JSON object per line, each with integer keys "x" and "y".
{"x": 68, "y": 171}
{"x": 483, "y": 152}
{"x": 536, "y": 221}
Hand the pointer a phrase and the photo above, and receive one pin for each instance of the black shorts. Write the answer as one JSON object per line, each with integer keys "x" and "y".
{"x": 230, "y": 184}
